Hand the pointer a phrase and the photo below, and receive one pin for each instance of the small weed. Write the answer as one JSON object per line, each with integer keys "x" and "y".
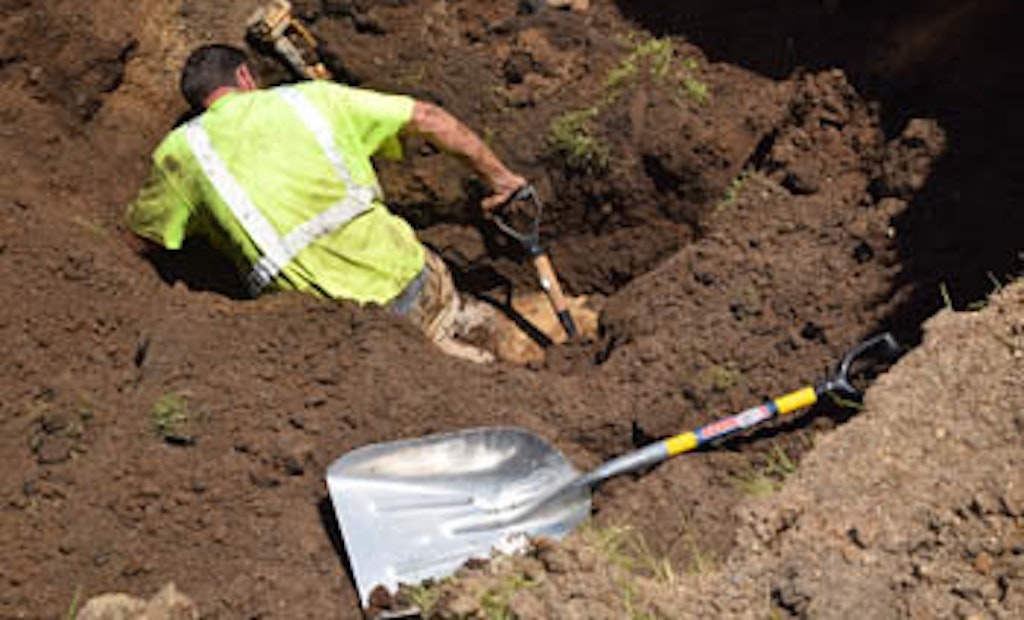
{"x": 496, "y": 602}
{"x": 768, "y": 477}
{"x": 845, "y": 403}
{"x": 700, "y": 560}
{"x": 695, "y": 90}
{"x": 655, "y": 55}
{"x": 423, "y": 596}
{"x": 721, "y": 378}
{"x": 612, "y": 542}
{"x": 981, "y": 304}
{"x": 780, "y": 464}
{"x": 621, "y": 75}
{"x": 660, "y": 51}
{"x": 660, "y": 568}
{"x": 947, "y": 301}
{"x": 634, "y": 611}
{"x": 75, "y": 600}
{"x": 754, "y": 483}
{"x": 732, "y": 193}
{"x": 571, "y": 137}
{"x": 996, "y": 282}
{"x": 627, "y": 550}
{"x": 170, "y": 414}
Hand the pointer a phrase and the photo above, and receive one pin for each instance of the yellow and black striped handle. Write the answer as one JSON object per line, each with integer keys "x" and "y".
{"x": 837, "y": 383}
{"x": 794, "y": 401}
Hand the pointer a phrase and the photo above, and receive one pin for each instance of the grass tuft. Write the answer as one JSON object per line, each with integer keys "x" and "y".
{"x": 768, "y": 477}
{"x": 497, "y": 602}
{"x": 571, "y": 136}
{"x": 423, "y": 596}
{"x": 76, "y": 600}
{"x": 170, "y": 414}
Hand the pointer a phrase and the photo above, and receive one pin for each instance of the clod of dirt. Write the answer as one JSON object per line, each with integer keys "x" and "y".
{"x": 909, "y": 159}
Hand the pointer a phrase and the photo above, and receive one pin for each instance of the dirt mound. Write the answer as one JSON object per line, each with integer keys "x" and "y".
{"x": 743, "y": 230}
{"x": 914, "y": 509}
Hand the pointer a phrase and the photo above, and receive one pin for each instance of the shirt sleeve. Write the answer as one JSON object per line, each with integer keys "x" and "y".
{"x": 161, "y": 212}
{"x": 377, "y": 118}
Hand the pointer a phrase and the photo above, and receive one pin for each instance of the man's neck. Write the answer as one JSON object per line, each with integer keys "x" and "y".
{"x": 218, "y": 94}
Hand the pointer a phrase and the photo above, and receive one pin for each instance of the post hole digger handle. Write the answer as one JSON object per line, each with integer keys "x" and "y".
{"x": 530, "y": 241}
{"x": 838, "y": 383}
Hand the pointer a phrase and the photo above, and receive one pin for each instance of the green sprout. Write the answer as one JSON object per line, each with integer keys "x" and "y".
{"x": 170, "y": 414}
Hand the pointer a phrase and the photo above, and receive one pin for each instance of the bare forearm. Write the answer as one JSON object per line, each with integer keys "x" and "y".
{"x": 451, "y": 136}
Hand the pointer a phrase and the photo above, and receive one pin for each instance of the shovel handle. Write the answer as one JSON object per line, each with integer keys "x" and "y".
{"x": 553, "y": 289}
{"x": 838, "y": 383}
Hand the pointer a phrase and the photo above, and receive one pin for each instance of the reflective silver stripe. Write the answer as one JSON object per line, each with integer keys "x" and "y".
{"x": 259, "y": 229}
{"x": 319, "y": 127}
{"x": 277, "y": 251}
{"x": 324, "y": 133}
{"x": 300, "y": 237}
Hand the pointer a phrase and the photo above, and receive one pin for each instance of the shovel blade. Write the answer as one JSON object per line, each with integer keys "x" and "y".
{"x": 418, "y": 509}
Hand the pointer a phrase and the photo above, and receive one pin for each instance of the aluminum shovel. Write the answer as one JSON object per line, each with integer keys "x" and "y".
{"x": 418, "y": 509}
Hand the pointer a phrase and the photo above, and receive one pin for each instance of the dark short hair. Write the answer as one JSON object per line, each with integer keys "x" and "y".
{"x": 208, "y": 68}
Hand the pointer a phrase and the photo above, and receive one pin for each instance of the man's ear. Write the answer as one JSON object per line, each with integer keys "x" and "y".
{"x": 245, "y": 79}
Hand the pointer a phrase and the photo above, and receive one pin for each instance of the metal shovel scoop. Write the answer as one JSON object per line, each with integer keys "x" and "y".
{"x": 418, "y": 509}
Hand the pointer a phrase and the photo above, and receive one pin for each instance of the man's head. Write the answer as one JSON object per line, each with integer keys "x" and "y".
{"x": 212, "y": 70}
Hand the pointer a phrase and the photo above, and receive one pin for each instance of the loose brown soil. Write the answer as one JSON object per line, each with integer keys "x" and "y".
{"x": 915, "y": 509}
{"x": 742, "y": 227}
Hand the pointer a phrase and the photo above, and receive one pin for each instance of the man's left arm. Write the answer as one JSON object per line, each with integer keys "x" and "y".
{"x": 160, "y": 216}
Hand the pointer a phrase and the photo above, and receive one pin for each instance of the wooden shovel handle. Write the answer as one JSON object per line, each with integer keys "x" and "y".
{"x": 553, "y": 288}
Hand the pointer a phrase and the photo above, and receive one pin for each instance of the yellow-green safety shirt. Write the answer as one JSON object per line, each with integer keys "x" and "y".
{"x": 281, "y": 181}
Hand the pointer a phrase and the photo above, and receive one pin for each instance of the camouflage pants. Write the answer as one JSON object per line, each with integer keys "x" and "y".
{"x": 433, "y": 304}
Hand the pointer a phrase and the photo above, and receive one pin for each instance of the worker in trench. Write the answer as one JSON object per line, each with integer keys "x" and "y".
{"x": 280, "y": 180}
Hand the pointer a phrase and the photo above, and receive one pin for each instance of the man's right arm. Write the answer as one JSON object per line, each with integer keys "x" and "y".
{"x": 451, "y": 136}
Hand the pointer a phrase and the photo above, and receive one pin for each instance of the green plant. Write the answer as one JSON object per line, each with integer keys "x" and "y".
{"x": 656, "y": 54}
{"x": 628, "y": 551}
{"x": 633, "y": 610}
{"x": 658, "y": 567}
{"x": 611, "y": 542}
{"x": 621, "y": 75}
{"x": 695, "y": 89}
{"x": 721, "y": 378}
{"x": 496, "y": 602}
{"x": 75, "y": 600}
{"x": 700, "y": 560}
{"x": 845, "y": 403}
{"x": 170, "y": 414}
{"x": 947, "y": 301}
{"x": 571, "y": 136}
{"x": 660, "y": 52}
{"x": 423, "y": 596}
{"x": 754, "y": 483}
{"x": 732, "y": 193}
{"x": 996, "y": 282}
{"x": 766, "y": 478}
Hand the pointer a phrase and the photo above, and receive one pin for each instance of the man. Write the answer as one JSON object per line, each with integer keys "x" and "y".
{"x": 280, "y": 180}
